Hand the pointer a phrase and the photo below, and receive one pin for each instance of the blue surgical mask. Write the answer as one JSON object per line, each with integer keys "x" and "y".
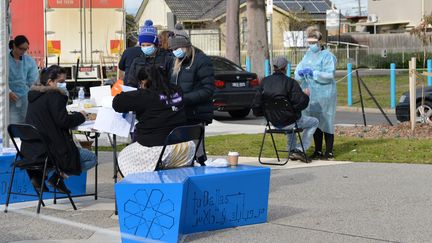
{"x": 148, "y": 50}
{"x": 179, "y": 53}
{"x": 62, "y": 86}
{"x": 314, "y": 48}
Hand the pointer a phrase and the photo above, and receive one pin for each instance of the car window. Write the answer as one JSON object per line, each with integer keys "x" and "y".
{"x": 220, "y": 64}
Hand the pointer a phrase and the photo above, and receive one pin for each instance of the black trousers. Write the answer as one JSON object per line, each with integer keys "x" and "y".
{"x": 318, "y": 139}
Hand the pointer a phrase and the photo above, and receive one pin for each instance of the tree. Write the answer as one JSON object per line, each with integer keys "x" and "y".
{"x": 257, "y": 48}
{"x": 131, "y": 30}
{"x": 294, "y": 24}
{"x": 421, "y": 31}
{"x": 233, "y": 35}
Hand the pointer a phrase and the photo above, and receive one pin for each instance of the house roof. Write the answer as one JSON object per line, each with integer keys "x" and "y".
{"x": 192, "y": 9}
{"x": 317, "y": 8}
{"x": 211, "y": 9}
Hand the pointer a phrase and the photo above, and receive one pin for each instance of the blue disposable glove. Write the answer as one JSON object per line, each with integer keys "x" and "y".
{"x": 300, "y": 73}
{"x": 307, "y": 72}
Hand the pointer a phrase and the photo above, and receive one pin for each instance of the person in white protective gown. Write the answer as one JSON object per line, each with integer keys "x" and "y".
{"x": 316, "y": 73}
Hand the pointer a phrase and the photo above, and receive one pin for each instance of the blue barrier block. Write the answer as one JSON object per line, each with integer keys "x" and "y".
{"x": 429, "y": 69}
{"x": 266, "y": 67}
{"x": 248, "y": 64}
{"x": 392, "y": 85}
{"x": 223, "y": 198}
{"x": 289, "y": 70}
{"x": 22, "y": 184}
{"x": 189, "y": 200}
{"x": 349, "y": 85}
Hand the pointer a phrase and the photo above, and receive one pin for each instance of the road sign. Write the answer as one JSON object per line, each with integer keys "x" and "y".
{"x": 333, "y": 21}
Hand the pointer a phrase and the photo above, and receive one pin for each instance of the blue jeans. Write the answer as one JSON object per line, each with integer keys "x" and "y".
{"x": 309, "y": 125}
{"x": 87, "y": 159}
{"x": 18, "y": 110}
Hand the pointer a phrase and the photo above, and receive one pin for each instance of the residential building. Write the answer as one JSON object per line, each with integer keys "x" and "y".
{"x": 387, "y": 16}
{"x": 206, "y": 19}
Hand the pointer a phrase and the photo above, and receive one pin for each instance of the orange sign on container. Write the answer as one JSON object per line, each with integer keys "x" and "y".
{"x": 116, "y": 46}
{"x": 54, "y": 47}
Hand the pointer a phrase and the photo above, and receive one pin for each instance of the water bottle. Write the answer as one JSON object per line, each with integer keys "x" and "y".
{"x": 81, "y": 97}
{"x": 81, "y": 94}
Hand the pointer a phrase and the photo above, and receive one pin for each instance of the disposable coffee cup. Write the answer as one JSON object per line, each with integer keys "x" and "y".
{"x": 233, "y": 158}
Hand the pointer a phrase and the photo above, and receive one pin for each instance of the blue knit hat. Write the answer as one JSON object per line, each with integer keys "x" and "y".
{"x": 148, "y": 33}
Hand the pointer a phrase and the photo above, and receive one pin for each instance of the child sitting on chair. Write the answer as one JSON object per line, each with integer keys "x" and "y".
{"x": 159, "y": 109}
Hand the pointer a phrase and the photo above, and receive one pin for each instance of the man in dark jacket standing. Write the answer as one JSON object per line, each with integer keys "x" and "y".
{"x": 151, "y": 54}
{"x": 279, "y": 85}
{"x": 193, "y": 72}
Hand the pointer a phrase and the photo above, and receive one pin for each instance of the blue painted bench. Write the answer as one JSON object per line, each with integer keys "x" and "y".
{"x": 163, "y": 205}
{"x": 77, "y": 184}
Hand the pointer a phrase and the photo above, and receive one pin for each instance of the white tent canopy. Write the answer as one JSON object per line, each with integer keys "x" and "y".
{"x": 4, "y": 94}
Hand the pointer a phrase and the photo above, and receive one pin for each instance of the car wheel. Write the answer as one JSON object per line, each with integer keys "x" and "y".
{"x": 424, "y": 112}
{"x": 239, "y": 113}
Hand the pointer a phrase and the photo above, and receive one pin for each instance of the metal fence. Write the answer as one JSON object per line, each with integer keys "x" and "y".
{"x": 359, "y": 57}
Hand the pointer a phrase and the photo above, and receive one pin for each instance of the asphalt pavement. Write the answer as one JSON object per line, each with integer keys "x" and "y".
{"x": 344, "y": 116}
{"x": 318, "y": 202}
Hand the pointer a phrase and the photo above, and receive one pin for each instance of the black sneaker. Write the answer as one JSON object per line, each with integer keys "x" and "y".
{"x": 58, "y": 183}
{"x": 329, "y": 156}
{"x": 298, "y": 155}
{"x": 316, "y": 155}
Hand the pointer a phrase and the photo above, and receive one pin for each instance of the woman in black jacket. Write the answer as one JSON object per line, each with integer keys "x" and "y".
{"x": 159, "y": 109}
{"x": 193, "y": 72}
{"x": 47, "y": 112}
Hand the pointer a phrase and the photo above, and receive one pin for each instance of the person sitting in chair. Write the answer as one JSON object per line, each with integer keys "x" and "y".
{"x": 159, "y": 109}
{"x": 279, "y": 85}
{"x": 47, "y": 112}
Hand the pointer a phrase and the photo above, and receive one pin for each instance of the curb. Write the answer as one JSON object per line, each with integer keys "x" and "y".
{"x": 368, "y": 110}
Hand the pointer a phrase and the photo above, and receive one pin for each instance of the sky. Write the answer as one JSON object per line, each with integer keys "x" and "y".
{"x": 346, "y": 6}
{"x": 132, "y": 6}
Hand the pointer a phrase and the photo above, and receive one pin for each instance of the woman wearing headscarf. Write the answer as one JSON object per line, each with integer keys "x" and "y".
{"x": 316, "y": 73}
{"x": 159, "y": 109}
{"x": 193, "y": 72}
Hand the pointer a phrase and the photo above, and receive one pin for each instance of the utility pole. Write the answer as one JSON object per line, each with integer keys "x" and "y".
{"x": 359, "y": 6}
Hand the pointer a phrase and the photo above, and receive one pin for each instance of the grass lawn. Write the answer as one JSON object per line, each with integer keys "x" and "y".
{"x": 378, "y": 85}
{"x": 399, "y": 150}
{"x": 345, "y": 148}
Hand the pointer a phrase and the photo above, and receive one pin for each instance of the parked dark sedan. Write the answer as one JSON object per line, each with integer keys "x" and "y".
{"x": 236, "y": 88}
{"x": 424, "y": 109}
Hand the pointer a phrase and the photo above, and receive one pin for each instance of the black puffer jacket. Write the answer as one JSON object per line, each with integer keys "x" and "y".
{"x": 279, "y": 85}
{"x": 196, "y": 79}
{"x": 162, "y": 59}
{"x": 156, "y": 116}
{"x": 47, "y": 112}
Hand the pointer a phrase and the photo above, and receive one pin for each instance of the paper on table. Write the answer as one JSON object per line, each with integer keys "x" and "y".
{"x": 107, "y": 102}
{"x": 126, "y": 88}
{"x": 98, "y": 93}
{"x": 113, "y": 122}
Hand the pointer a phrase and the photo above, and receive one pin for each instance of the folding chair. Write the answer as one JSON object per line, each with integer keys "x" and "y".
{"x": 179, "y": 135}
{"x": 273, "y": 108}
{"x": 29, "y": 133}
